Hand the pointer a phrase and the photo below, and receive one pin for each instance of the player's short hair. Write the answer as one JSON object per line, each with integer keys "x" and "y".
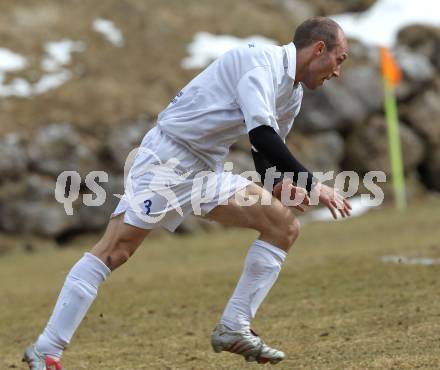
{"x": 317, "y": 29}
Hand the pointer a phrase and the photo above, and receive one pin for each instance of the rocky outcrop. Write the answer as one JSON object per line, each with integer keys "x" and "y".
{"x": 320, "y": 152}
{"x": 322, "y": 110}
{"x": 431, "y": 169}
{"x": 417, "y": 71}
{"x": 423, "y": 40}
{"x": 326, "y": 7}
{"x": 59, "y": 147}
{"x": 423, "y": 114}
{"x": 13, "y": 157}
{"x": 301, "y": 10}
{"x": 28, "y": 207}
{"x": 344, "y": 103}
{"x": 121, "y": 140}
{"x": 367, "y": 148}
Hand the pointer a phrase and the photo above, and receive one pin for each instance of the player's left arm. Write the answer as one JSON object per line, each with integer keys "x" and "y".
{"x": 270, "y": 145}
{"x": 255, "y": 94}
{"x": 262, "y": 165}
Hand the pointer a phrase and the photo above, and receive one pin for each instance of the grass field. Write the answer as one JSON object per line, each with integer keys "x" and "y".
{"x": 335, "y": 306}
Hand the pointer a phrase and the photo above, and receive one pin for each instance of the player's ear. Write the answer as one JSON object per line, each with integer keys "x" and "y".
{"x": 319, "y": 48}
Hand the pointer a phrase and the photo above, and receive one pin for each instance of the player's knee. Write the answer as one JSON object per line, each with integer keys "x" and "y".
{"x": 292, "y": 230}
{"x": 287, "y": 231}
{"x": 280, "y": 227}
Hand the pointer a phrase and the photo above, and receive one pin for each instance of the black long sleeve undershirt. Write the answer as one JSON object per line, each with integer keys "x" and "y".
{"x": 273, "y": 152}
{"x": 262, "y": 165}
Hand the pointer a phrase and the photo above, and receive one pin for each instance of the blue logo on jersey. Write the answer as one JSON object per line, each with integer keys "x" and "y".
{"x": 251, "y": 45}
{"x": 179, "y": 94}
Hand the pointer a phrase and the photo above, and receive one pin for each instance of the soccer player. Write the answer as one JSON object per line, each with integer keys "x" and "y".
{"x": 253, "y": 89}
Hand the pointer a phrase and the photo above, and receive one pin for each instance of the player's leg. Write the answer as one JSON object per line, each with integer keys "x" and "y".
{"x": 276, "y": 223}
{"x": 118, "y": 243}
{"x": 278, "y": 228}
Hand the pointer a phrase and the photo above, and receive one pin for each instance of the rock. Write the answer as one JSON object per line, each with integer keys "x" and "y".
{"x": 35, "y": 210}
{"x": 423, "y": 114}
{"x": 424, "y": 40}
{"x": 360, "y": 53}
{"x": 123, "y": 139}
{"x": 114, "y": 186}
{"x": 57, "y": 148}
{"x": 344, "y": 103}
{"x": 13, "y": 157}
{"x": 40, "y": 188}
{"x": 417, "y": 70}
{"x": 319, "y": 152}
{"x": 92, "y": 218}
{"x": 431, "y": 169}
{"x": 367, "y": 148}
{"x": 416, "y": 67}
{"x": 326, "y": 7}
{"x": 413, "y": 187}
{"x": 365, "y": 83}
{"x": 332, "y": 107}
{"x": 10, "y": 191}
{"x": 299, "y": 10}
{"x": 36, "y": 217}
{"x": 28, "y": 206}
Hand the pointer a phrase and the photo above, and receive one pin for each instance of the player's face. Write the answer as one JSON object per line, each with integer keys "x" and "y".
{"x": 326, "y": 64}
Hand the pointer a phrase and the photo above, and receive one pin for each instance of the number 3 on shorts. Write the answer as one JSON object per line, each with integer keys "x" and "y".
{"x": 147, "y": 204}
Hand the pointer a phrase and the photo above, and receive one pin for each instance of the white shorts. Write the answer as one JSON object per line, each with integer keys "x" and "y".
{"x": 167, "y": 182}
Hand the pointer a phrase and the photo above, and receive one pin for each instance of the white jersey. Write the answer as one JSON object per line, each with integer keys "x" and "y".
{"x": 245, "y": 88}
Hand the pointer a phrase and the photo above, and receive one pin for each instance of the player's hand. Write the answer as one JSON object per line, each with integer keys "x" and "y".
{"x": 296, "y": 194}
{"x": 330, "y": 197}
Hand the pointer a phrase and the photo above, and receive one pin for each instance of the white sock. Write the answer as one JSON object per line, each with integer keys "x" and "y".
{"x": 78, "y": 293}
{"x": 261, "y": 269}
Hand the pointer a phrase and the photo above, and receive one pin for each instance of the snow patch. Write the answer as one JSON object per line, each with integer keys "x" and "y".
{"x": 59, "y": 53}
{"x": 424, "y": 261}
{"x": 19, "y": 87}
{"x": 359, "y": 207}
{"x": 380, "y": 24}
{"x": 109, "y": 31}
{"x": 51, "y": 81}
{"x": 10, "y": 61}
{"x": 207, "y": 47}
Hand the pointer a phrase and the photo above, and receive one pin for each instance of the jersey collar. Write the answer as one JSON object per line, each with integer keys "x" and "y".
{"x": 291, "y": 59}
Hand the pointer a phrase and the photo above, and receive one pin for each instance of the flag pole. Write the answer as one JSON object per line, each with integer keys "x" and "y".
{"x": 391, "y": 77}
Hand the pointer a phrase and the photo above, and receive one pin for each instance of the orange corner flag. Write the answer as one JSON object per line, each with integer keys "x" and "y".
{"x": 390, "y": 69}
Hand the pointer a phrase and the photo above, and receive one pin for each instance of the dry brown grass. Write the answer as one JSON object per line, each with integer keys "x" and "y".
{"x": 114, "y": 84}
{"x": 336, "y": 305}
